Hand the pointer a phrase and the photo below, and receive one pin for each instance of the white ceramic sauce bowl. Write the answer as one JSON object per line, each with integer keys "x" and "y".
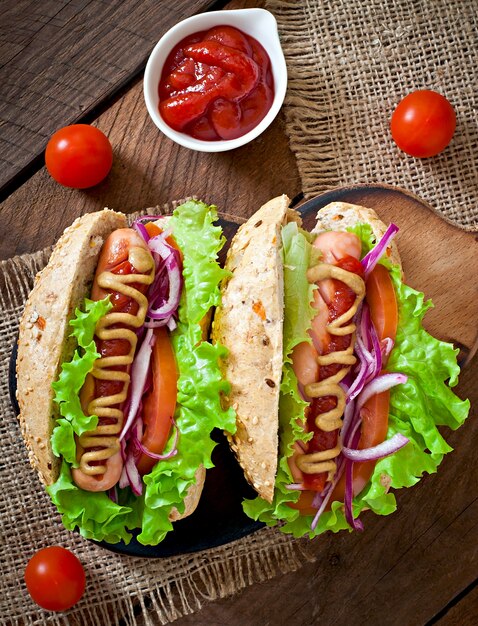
{"x": 257, "y": 23}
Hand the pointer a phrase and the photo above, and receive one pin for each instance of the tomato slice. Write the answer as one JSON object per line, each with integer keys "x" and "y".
{"x": 381, "y": 298}
{"x": 160, "y": 402}
{"x": 304, "y": 503}
{"x": 382, "y": 301}
{"x": 153, "y": 230}
{"x": 374, "y": 430}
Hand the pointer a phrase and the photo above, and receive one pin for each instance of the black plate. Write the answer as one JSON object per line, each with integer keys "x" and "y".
{"x": 219, "y": 517}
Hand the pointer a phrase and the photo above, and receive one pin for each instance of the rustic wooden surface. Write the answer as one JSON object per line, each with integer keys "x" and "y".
{"x": 418, "y": 566}
{"x": 149, "y": 169}
{"x": 60, "y": 60}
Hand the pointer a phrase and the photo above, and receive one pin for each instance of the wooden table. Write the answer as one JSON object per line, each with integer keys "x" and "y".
{"x": 82, "y": 61}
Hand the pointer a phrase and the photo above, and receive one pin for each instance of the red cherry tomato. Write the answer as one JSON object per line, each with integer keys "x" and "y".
{"x": 55, "y": 578}
{"x": 423, "y": 123}
{"x": 79, "y": 156}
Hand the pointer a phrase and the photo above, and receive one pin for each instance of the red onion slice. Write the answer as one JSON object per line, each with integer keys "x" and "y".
{"x": 376, "y": 349}
{"x": 141, "y": 230}
{"x": 371, "y": 259}
{"x": 390, "y": 446}
{"x": 147, "y": 218}
{"x": 379, "y": 384}
{"x": 159, "y": 457}
{"x": 296, "y": 487}
{"x": 355, "y": 524}
{"x": 363, "y": 325}
{"x": 171, "y": 324}
{"x": 319, "y": 498}
{"x": 164, "y": 294}
{"x": 361, "y": 376}
{"x": 123, "y": 481}
{"x": 386, "y": 346}
{"x": 348, "y": 418}
{"x": 325, "y": 496}
{"x": 134, "y": 479}
{"x": 139, "y": 376}
{"x": 363, "y": 347}
{"x": 172, "y": 266}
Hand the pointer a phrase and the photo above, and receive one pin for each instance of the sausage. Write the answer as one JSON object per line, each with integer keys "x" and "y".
{"x": 124, "y": 272}
{"x": 326, "y": 363}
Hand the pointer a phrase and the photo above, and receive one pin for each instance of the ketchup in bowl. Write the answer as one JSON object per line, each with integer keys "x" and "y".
{"x": 216, "y": 84}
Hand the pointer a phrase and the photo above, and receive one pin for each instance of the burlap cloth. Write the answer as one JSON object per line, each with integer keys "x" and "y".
{"x": 350, "y": 62}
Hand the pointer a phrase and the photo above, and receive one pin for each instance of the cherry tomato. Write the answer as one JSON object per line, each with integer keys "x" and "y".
{"x": 423, "y": 123}
{"x": 55, "y": 578}
{"x": 160, "y": 403}
{"x": 79, "y": 156}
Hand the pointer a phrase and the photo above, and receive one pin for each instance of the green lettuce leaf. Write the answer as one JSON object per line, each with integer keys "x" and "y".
{"x": 71, "y": 379}
{"x": 200, "y": 382}
{"x": 417, "y": 408}
{"x": 94, "y": 514}
{"x": 198, "y": 410}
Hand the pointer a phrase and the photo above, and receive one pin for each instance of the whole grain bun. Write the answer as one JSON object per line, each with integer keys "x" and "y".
{"x": 249, "y": 323}
{"x": 44, "y": 341}
{"x": 192, "y": 497}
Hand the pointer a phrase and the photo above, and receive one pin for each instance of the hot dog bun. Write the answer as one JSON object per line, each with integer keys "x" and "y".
{"x": 249, "y": 323}
{"x": 254, "y": 341}
{"x": 44, "y": 342}
{"x": 44, "y": 339}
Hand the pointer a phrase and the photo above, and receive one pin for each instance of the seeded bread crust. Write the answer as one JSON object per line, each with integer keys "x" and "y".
{"x": 192, "y": 498}
{"x": 249, "y": 323}
{"x": 44, "y": 342}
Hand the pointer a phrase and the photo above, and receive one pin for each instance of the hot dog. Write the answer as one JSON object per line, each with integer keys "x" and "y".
{"x": 325, "y": 347}
{"x": 124, "y": 256}
{"x": 106, "y": 413}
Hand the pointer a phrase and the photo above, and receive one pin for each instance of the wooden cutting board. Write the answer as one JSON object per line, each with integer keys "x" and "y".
{"x": 438, "y": 258}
